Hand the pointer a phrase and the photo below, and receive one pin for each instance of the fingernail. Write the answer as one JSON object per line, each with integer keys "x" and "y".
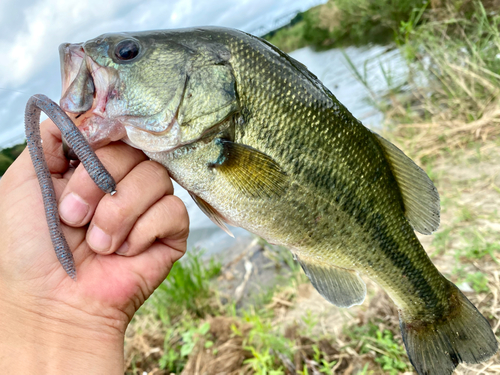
{"x": 98, "y": 239}
{"x": 73, "y": 209}
{"x": 122, "y": 250}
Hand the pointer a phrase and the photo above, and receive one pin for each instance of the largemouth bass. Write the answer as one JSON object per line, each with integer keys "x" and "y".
{"x": 261, "y": 143}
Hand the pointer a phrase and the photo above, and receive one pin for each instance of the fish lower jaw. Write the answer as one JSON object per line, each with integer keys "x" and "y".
{"x": 98, "y": 131}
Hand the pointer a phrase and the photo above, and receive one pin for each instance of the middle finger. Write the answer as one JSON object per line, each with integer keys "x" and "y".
{"x": 115, "y": 215}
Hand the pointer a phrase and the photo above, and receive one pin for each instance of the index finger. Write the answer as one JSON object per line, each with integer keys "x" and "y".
{"x": 81, "y": 195}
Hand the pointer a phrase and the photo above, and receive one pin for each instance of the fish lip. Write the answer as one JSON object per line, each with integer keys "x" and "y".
{"x": 104, "y": 84}
{"x": 72, "y": 57}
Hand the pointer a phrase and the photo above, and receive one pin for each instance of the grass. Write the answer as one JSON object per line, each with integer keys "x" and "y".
{"x": 270, "y": 350}
{"x": 454, "y": 82}
{"x": 175, "y": 310}
{"x": 390, "y": 353}
{"x": 478, "y": 281}
{"x": 8, "y": 155}
{"x": 344, "y": 22}
{"x": 262, "y": 338}
{"x": 191, "y": 277}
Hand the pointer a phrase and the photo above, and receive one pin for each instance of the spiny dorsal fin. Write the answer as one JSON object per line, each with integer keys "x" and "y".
{"x": 420, "y": 196}
{"x": 249, "y": 170}
{"x": 342, "y": 287}
{"x": 211, "y": 213}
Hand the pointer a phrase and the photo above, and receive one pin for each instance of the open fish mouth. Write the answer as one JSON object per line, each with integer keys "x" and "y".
{"x": 85, "y": 85}
{"x": 86, "y": 89}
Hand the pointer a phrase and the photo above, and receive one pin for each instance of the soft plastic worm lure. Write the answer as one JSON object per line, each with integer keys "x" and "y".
{"x": 83, "y": 151}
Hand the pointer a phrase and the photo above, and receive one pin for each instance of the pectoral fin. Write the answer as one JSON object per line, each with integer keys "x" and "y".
{"x": 420, "y": 196}
{"x": 249, "y": 170}
{"x": 342, "y": 287}
{"x": 211, "y": 213}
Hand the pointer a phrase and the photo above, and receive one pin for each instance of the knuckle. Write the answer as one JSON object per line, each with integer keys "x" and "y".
{"x": 144, "y": 232}
{"x": 81, "y": 179}
{"x": 114, "y": 210}
{"x": 117, "y": 155}
{"x": 176, "y": 209}
{"x": 157, "y": 173}
{"x": 81, "y": 184}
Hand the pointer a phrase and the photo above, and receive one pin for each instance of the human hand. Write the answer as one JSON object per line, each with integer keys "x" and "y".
{"x": 39, "y": 303}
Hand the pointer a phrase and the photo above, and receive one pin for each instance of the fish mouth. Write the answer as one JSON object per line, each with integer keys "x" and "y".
{"x": 86, "y": 89}
{"x": 85, "y": 85}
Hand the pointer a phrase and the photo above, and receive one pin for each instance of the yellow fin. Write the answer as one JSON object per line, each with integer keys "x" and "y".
{"x": 211, "y": 213}
{"x": 249, "y": 170}
{"x": 420, "y": 196}
{"x": 342, "y": 287}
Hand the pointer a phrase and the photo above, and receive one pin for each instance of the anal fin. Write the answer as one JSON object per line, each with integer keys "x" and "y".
{"x": 342, "y": 287}
{"x": 211, "y": 213}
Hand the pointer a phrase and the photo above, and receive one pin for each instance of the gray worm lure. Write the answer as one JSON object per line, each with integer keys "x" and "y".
{"x": 83, "y": 151}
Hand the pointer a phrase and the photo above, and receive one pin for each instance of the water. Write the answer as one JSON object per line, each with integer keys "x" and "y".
{"x": 380, "y": 67}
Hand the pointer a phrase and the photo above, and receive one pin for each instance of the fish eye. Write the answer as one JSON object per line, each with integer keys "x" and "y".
{"x": 127, "y": 50}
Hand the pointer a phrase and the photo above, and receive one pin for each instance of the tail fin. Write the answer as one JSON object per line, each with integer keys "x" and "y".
{"x": 436, "y": 348}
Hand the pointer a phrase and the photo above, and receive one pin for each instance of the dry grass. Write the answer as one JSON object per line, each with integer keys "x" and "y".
{"x": 453, "y": 98}
{"x": 144, "y": 346}
{"x": 435, "y": 138}
{"x": 227, "y": 354}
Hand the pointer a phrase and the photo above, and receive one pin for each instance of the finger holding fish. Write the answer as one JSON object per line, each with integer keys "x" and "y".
{"x": 165, "y": 223}
{"x": 115, "y": 216}
{"x": 81, "y": 195}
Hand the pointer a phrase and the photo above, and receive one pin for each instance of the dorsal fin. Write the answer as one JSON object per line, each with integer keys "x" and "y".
{"x": 342, "y": 287}
{"x": 420, "y": 196}
{"x": 211, "y": 213}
